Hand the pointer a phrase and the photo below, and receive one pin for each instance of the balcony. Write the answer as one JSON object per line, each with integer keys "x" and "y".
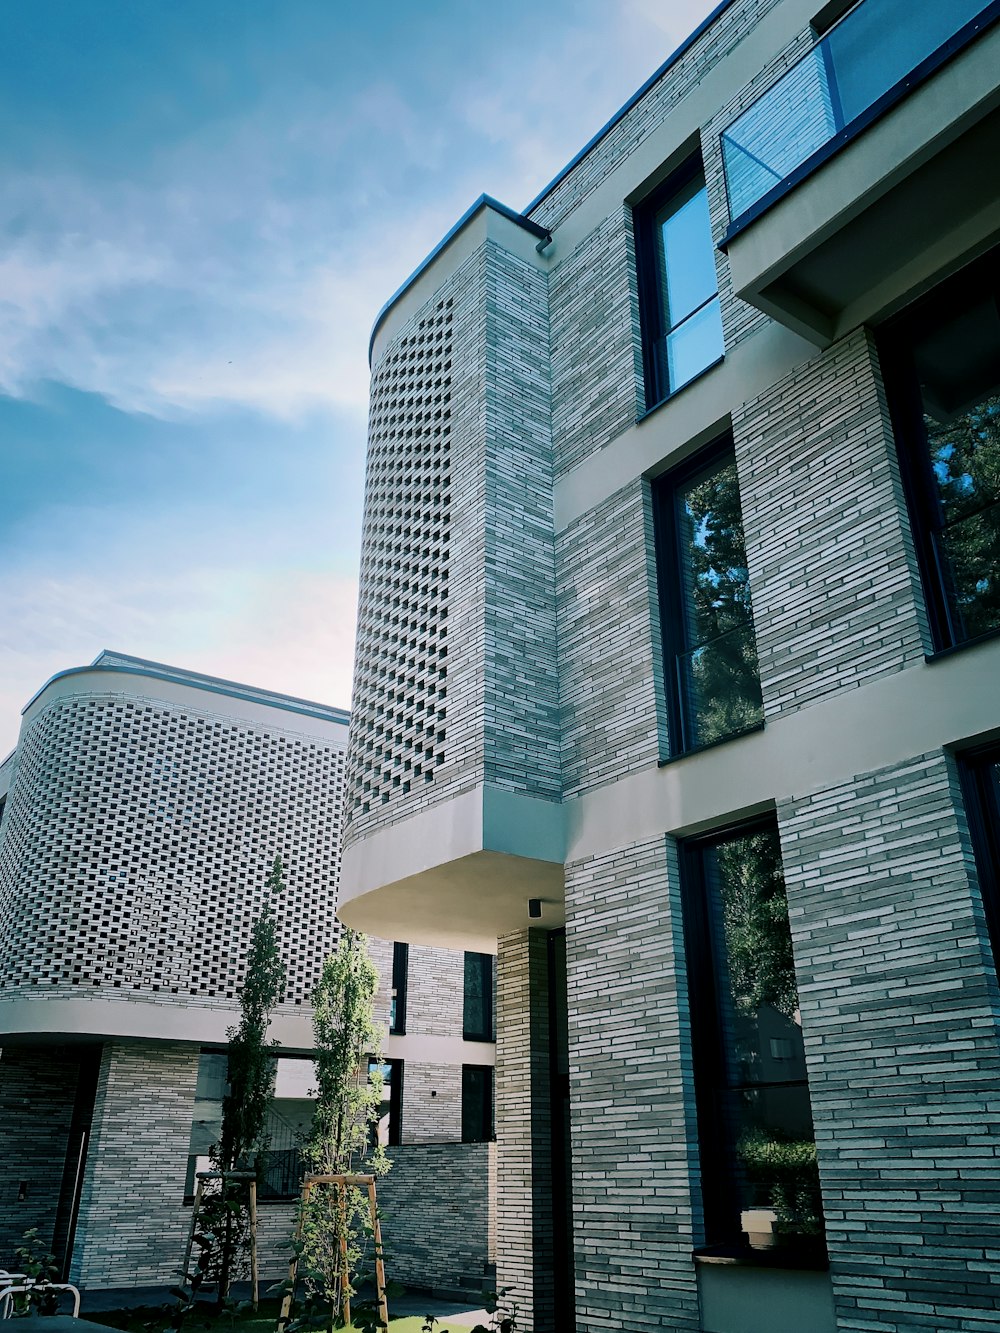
{"x": 865, "y": 171}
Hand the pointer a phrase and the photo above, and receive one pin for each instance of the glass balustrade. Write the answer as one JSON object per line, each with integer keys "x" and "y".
{"x": 861, "y": 66}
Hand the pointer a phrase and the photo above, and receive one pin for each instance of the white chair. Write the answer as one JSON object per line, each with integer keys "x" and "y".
{"x": 19, "y": 1284}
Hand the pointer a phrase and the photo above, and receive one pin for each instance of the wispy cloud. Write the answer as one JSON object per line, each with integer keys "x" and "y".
{"x": 242, "y": 265}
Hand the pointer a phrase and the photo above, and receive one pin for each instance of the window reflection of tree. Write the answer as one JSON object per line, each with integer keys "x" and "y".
{"x": 767, "y": 1113}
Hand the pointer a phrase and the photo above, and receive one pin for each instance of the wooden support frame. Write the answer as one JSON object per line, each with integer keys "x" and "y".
{"x": 341, "y": 1184}
{"x": 248, "y": 1178}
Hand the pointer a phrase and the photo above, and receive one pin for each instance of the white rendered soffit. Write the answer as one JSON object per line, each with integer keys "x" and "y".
{"x": 482, "y": 819}
{"x": 887, "y": 722}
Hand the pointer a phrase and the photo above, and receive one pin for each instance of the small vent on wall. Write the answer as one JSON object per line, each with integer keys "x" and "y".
{"x": 398, "y": 711}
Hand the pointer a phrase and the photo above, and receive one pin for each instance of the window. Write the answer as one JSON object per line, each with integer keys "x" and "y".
{"x": 678, "y": 284}
{"x": 710, "y": 655}
{"x": 477, "y": 1014}
{"x": 400, "y": 972}
{"x": 941, "y": 360}
{"x": 390, "y": 1122}
{"x": 477, "y": 1103}
{"x": 288, "y": 1122}
{"x": 758, "y": 1158}
{"x": 981, "y": 781}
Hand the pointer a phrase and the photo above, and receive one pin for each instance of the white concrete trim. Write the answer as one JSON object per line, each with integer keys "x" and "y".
{"x": 693, "y": 418}
{"x": 851, "y": 732}
{"x": 69, "y": 1018}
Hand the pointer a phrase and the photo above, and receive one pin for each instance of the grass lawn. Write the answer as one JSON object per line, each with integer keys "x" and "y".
{"x": 144, "y": 1319}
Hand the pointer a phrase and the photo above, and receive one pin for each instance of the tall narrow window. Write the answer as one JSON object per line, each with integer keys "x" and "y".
{"x": 941, "y": 360}
{"x": 981, "y": 780}
{"x": 389, "y": 1127}
{"x": 477, "y": 1103}
{"x": 712, "y": 679}
{"x": 477, "y": 1014}
{"x": 400, "y": 976}
{"x": 758, "y": 1157}
{"x": 678, "y": 285}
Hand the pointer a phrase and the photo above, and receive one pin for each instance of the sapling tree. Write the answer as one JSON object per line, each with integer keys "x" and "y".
{"x": 250, "y": 1078}
{"x": 343, "y": 1140}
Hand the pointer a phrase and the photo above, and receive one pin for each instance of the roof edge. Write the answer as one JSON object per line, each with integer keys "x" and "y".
{"x": 138, "y": 666}
{"x": 484, "y": 201}
{"x": 626, "y": 107}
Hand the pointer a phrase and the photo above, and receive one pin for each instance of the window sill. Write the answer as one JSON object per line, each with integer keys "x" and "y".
{"x": 804, "y": 1257}
{"x": 655, "y": 407}
{"x": 664, "y": 761}
{"x": 953, "y": 648}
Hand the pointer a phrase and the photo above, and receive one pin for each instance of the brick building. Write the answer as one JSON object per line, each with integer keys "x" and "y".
{"x": 678, "y": 678}
{"x": 139, "y": 816}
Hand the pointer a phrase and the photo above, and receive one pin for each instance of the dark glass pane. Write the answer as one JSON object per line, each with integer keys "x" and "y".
{"x": 685, "y": 254}
{"x": 386, "y": 1129}
{"x": 720, "y": 683}
{"x": 965, "y": 456}
{"x": 765, "y": 1094}
{"x": 400, "y": 978}
{"x": 477, "y": 1017}
{"x": 969, "y": 555}
{"x": 958, "y": 369}
{"x": 477, "y": 1103}
{"x": 718, "y": 676}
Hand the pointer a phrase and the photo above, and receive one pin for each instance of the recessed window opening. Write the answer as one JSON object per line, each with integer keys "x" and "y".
{"x": 477, "y": 1009}
{"x": 400, "y": 979}
{"x": 981, "y": 783}
{"x": 477, "y": 1103}
{"x": 942, "y": 364}
{"x": 710, "y": 653}
{"x": 760, "y": 1180}
{"x": 678, "y": 284}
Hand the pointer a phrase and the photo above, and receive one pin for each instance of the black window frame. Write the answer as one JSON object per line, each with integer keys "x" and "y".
{"x": 981, "y": 792}
{"x": 722, "y": 1232}
{"x": 670, "y": 584}
{"x": 894, "y": 339}
{"x": 400, "y": 982}
{"x": 484, "y": 1131}
{"x": 649, "y": 282}
{"x": 485, "y": 1030}
{"x": 394, "y": 1131}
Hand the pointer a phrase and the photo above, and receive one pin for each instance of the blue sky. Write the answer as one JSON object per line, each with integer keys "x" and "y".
{"x": 204, "y": 204}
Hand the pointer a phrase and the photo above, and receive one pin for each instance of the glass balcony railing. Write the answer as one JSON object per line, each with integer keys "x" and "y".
{"x": 872, "y": 57}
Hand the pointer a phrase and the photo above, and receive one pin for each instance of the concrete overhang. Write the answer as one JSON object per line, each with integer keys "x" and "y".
{"x": 459, "y": 874}
{"x": 50, "y": 1017}
{"x": 911, "y": 198}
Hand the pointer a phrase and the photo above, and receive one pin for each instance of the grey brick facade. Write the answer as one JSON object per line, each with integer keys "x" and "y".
{"x": 144, "y": 807}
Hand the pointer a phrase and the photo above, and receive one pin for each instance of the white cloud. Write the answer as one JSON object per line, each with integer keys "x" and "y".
{"x": 244, "y": 265}
{"x": 291, "y": 631}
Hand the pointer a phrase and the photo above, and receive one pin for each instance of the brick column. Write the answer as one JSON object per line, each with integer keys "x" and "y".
{"x": 133, "y": 1224}
{"x": 899, "y": 1001}
{"x": 524, "y": 1132}
{"x": 634, "y": 1130}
